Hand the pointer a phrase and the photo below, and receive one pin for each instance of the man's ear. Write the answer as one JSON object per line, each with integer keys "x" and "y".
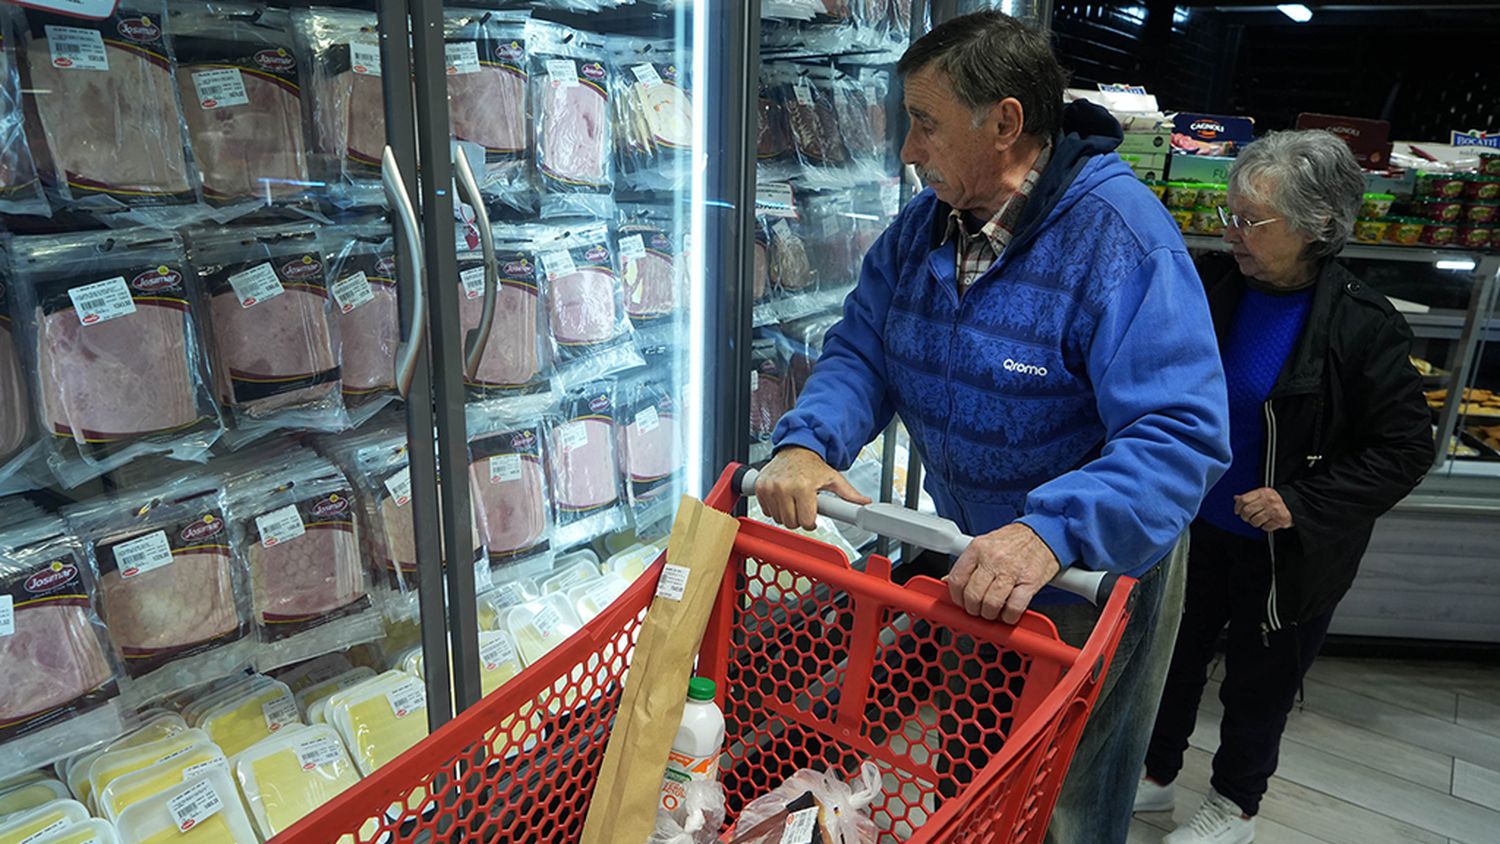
{"x": 1005, "y": 122}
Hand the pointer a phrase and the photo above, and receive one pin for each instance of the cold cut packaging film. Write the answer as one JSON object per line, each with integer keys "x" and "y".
{"x": 362, "y": 278}
{"x": 592, "y": 337}
{"x": 275, "y": 332}
{"x": 489, "y": 100}
{"x": 117, "y": 363}
{"x": 653, "y": 113}
{"x": 340, "y": 49}
{"x": 62, "y": 681}
{"x": 285, "y": 778}
{"x": 202, "y": 810}
{"x": 650, "y": 448}
{"x": 18, "y": 436}
{"x": 173, "y": 589}
{"x": 105, "y": 93}
{"x": 652, "y": 259}
{"x": 508, "y": 473}
{"x": 516, "y": 358}
{"x": 380, "y": 719}
{"x": 584, "y": 466}
{"x": 129, "y": 789}
{"x": 240, "y": 84}
{"x": 570, "y": 80}
{"x": 20, "y": 185}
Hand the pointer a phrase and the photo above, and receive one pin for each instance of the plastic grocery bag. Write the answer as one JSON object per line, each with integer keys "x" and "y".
{"x": 696, "y": 821}
{"x": 840, "y": 810}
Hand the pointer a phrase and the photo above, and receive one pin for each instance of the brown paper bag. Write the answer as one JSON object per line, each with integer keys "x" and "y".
{"x": 627, "y": 793}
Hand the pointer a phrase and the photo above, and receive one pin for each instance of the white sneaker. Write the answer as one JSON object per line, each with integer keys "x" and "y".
{"x": 1218, "y": 821}
{"x": 1152, "y": 797}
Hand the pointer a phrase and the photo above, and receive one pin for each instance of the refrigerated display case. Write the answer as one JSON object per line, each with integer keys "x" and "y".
{"x": 321, "y": 382}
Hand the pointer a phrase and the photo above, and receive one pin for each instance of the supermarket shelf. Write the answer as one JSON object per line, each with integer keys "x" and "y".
{"x": 1447, "y": 324}
{"x": 1411, "y": 254}
{"x": 799, "y": 305}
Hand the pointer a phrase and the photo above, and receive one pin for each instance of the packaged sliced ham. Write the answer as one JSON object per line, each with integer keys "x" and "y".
{"x": 17, "y": 434}
{"x": 574, "y": 141}
{"x": 508, "y": 473}
{"x": 516, "y": 358}
{"x": 768, "y": 386}
{"x": 653, "y": 110}
{"x": 773, "y": 139}
{"x": 272, "y": 318}
{"x": 173, "y": 591}
{"x": 652, "y": 263}
{"x": 362, "y": 281}
{"x": 105, "y": 93}
{"x": 489, "y": 100}
{"x": 20, "y": 186}
{"x": 584, "y": 466}
{"x": 241, "y": 89}
{"x": 61, "y": 681}
{"x": 341, "y": 53}
{"x": 117, "y": 365}
{"x": 650, "y": 448}
{"x": 591, "y": 334}
{"x": 813, "y": 121}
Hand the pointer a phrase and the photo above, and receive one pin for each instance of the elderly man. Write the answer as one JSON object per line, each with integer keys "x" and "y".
{"x": 1036, "y": 321}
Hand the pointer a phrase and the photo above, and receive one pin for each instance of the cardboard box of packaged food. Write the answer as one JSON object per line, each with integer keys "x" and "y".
{"x": 1152, "y": 161}
{"x": 1150, "y": 174}
{"x": 1369, "y": 140}
{"x": 1145, "y": 142}
{"x": 1200, "y": 168}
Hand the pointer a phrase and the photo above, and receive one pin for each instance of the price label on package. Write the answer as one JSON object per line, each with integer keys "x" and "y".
{"x": 603, "y": 593}
{"x": 46, "y": 832}
{"x": 143, "y": 554}
{"x": 280, "y": 526}
{"x": 632, "y": 248}
{"x": 646, "y": 74}
{"x": 220, "y": 88}
{"x": 559, "y": 264}
{"x": 280, "y": 712}
{"x": 462, "y": 57}
{"x": 364, "y": 59}
{"x": 574, "y": 435}
{"x": 647, "y": 420}
{"x": 406, "y": 698}
{"x": 562, "y": 73}
{"x": 7, "y": 615}
{"x": 507, "y": 595}
{"x": 352, "y": 291}
{"x": 473, "y": 282}
{"x": 318, "y": 751}
{"x": 74, "y": 48}
{"x": 192, "y": 807}
{"x": 194, "y": 771}
{"x": 799, "y": 826}
{"x": 673, "y": 582}
{"x": 804, "y": 92}
{"x": 399, "y": 486}
{"x": 497, "y": 651}
{"x": 776, "y": 199}
{"x": 505, "y": 467}
{"x": 546, "y": 622}
{"x": 102, "y": 301}
{"x": 256, "y": 285}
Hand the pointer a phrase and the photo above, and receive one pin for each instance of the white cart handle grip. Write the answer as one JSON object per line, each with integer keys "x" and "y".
{"x": 935, "y": 534}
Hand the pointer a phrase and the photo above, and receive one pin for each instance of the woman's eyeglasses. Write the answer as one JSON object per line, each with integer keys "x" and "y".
{"x": 1242, "y": 223}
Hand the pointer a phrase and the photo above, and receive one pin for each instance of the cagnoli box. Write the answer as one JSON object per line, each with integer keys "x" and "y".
{"x": 1369, "y": 140}
{"x": 1211, "y": 134}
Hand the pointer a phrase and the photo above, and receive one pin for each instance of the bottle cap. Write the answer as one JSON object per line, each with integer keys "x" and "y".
{"x": 701, "y": 688}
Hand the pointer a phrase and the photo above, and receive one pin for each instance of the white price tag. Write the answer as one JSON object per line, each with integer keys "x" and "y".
{"x": 199, "y": 803}
{"x": 754, "y": 381}
{"x": 352, "y": 291}
{"x": 804, "y": 92}
{"x": 484, "y": 578}
{"x": 143, "y": 554}
{"x": 647, "y": 420}
{"x": 602, "y": 593}
{"x": 399, "y": 486}
{"x": 783, "y": 230}
{"x": 74, "y": 48}
{"x": 193, "y": 771}
{"x": 56, "y": 826}
{"x": 507, "y": 595}
{"x": 221, "y": 87}
{"x": 632, "y": 247}
{"x": 102, "y": 300}
{"x": 673, "y": 582}
{"x": 505, "y": 467}
{"x": 318, "y": 751}
{"x": 407, "y": 698}
{"x": 364, "y": 59}
{"x": 280, "y": 526}
{"x": 573, "y": 435}
{"x": 559, "y": 264}
{"x": 799, "y": 826}
{"x": 473, "y": 282}
{"x": 562, "y": 72}
{"x": 647, "y": 75}
{"x": 546, "y": 621}
{"x": 775, "y": 199}
{"x": 256, "y": 285}
{"x": 7, "y": 615}
{"x": 462, "y": 57}
{"x": 497, "y": 652}
{"x": 280, "y": 712}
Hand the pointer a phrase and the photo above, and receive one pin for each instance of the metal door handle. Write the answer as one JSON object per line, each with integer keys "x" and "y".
{"x": 414, "y": 334}
{"x": 480, "y": 337}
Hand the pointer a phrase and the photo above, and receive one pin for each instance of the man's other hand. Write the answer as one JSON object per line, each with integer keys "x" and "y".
{"x": 1000, "y": 572}
{"x": 789, "y": 485}
{"x": 1263, "y": 508}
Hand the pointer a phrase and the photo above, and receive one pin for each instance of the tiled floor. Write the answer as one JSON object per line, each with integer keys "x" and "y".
{"x": 1380, "y": 752}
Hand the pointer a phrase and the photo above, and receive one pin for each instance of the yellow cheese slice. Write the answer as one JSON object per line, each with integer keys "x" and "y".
{"x": 372, "y": 729}
{"x": 242, "y": 721}
{"x": 321, "y": 691}
{"x": 126, "y": 791}
{"x": 165, "y": 725}
{"x": 92, "y": 831}
{"x": 55, "y": 816}
{"x": 285, "y": 779}
{"x": 152, "y": 820}
{"x": 215, "y": 830}
{"x": 118, "y": 763}
{"x": 31, "y": 795}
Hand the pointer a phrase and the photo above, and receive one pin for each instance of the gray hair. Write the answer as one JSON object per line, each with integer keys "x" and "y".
{"x": 1310, "y": 178}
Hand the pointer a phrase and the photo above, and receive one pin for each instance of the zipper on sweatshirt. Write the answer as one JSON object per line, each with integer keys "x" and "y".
{"x": 1273, "y": 615}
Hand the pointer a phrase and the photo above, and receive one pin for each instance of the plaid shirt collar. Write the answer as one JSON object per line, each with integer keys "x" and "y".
{"x": 973, "y": 256}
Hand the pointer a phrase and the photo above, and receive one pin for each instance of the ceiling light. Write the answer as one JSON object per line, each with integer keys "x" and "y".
{"x": 1462, "y": 265}
{"x": 1296, "y": 11}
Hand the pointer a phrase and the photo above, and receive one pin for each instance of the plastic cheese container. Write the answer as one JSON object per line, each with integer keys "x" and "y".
{"x": 52, "y": 817}
{"x": 157, "y": 727}
{"x": 33, "y": 776}
{"x": 36, "y": 793}
{"x": 194, "y": 711}
{"x": 498, "y": 661}
{"x": 541, "y": 625}
{"x": 592, "y": 598}
{"x": 119, "y": 763}
{"x": 91, "y": 831}
{"x": 633, "y": 562}
{"x": 566, "y": 577}
{"x": 320, "y": 691}
{"x": 243, "y": 720}
{"x": 284, "y": 778}
{"x": 380, "y": 719}
{"x": 149, "y": 782}
{"x": 203, "y": 810}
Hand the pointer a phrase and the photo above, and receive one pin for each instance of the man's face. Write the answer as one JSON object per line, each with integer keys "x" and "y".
{"x": 959, "y": 161}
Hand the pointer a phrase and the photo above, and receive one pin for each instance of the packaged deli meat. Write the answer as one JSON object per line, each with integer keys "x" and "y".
{"x": 341, "y": 55}
{"x": 592, "y": 336}
{"x": 118, "y": 367}
{"x": 59, "y": 697}
{"x": 273, "y": 324}
{"x": 171, "y": 587}
{"x": 362, "y": 280}
{"x": 489, "y": 100}
{"x": 16, "y": 430}
{"x": 507, "y": 470}
{"x": 653, "y": 114}
{"x": 650, "y": 255}
{"x": 106, "y": 95}
{"x": 20, "y": 186}
{"x": 516, "y": 358}
{"x": 650, "y": 449}
{"x": 574, "y": 141}
{"x": 584, "y": 466}
{"x": 241, "y": 91}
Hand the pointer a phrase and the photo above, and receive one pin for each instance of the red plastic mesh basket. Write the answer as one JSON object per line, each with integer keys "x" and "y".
{"x": 818, "y": 665}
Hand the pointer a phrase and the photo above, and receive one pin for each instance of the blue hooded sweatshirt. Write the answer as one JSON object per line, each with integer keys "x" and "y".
{"x": 1075, "y": 387}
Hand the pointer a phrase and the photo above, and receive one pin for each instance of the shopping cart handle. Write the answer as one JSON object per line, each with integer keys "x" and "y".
{"x": 933, "y": 533}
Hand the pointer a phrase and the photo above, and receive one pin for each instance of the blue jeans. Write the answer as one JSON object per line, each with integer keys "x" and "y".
{"x": 1099, "y": 793}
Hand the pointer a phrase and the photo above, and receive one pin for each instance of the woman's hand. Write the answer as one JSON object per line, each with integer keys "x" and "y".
{"x": 1263, "y": 508}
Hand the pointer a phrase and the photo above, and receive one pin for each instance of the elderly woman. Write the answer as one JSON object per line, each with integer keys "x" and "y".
{"x": 1328, "y": 430}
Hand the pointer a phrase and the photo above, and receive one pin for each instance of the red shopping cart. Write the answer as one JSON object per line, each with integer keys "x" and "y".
{"x": 972, "y": 723}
